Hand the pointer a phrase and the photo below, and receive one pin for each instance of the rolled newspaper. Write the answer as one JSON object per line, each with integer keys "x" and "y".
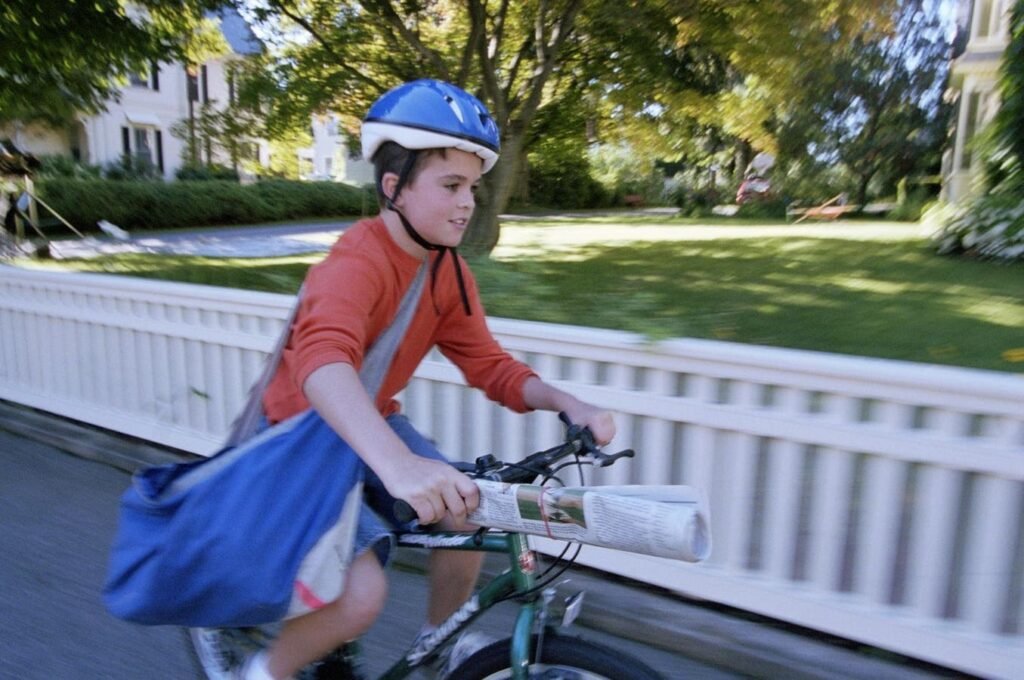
{"x": 664, "y": 521}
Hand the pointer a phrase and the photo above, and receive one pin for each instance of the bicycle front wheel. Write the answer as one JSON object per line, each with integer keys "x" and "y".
{"x": 562, "y": 658}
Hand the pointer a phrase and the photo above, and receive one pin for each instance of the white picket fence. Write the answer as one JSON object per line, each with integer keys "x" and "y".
{"x": 875, "y": 500}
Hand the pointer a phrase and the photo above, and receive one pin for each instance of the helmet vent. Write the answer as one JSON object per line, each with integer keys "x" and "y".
{"x": 455, "y": 108}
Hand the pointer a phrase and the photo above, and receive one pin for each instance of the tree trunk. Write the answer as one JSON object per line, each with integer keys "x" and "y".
{"x": 862, "y": 189}
{"x": 744, "y": 153}
{"x": 494, "y": 194}
{"x": 521, "y": 181}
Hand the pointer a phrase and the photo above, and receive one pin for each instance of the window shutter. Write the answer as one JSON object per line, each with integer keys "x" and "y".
{"x": 160, "y": 151}
{"x": 193, "y": 83}
{"x": 206, "y": 89}
{"x": 126, "y": 141}
{"x": 156, "y": 76}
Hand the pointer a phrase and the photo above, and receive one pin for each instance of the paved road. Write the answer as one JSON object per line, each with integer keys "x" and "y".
{"x": 248, "y": 241}
{"x": 277, "y": 240}
{"x": 57, "y": 517}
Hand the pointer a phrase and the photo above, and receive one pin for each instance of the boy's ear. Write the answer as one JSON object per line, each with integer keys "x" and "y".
{"x": 388, "y": 184}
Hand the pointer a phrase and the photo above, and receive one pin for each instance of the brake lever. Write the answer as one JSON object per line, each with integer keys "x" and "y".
{"x": 606, "y": 459}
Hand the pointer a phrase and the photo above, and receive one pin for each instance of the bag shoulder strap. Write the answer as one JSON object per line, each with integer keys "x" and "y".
{"x": 378, "y": 358}
{"x": 375, "y": 363}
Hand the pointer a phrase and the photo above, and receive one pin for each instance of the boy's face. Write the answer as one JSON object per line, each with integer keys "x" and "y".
{"x": 440, "y": 201}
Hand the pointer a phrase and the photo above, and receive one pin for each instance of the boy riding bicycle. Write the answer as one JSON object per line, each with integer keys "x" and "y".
{"x": 430, "y": 143}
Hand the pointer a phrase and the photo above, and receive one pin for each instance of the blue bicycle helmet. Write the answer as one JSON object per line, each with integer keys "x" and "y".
{"x": 431, "y": 114}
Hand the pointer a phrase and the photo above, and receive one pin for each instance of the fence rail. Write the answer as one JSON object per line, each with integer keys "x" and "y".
{"x": 875, "y": 500}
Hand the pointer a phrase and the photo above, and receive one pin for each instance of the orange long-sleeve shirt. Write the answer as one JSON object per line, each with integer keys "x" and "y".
{"x": 352, "y": 296}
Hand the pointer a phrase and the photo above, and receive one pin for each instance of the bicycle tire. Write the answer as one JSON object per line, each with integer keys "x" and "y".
{"x": 562, "y": 658}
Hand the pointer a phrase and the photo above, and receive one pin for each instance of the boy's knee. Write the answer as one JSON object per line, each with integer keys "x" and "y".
{"x": 366, "y": 591}
{"x": 369, "y": 590}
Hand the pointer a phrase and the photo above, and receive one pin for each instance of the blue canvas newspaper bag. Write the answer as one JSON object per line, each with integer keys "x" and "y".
{"x": 254, "y": 533}
{"x": 220, "y": 542}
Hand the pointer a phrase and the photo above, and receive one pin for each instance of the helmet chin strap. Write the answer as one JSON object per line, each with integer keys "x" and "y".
{"x": 389, "y": 204}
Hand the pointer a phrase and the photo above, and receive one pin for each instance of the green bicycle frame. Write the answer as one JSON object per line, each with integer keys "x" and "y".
{"x": 518, "y": 578}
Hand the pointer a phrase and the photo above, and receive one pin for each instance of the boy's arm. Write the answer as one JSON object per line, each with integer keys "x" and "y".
{"x": 431, "y": 487}
{"x": 541, "y": 396}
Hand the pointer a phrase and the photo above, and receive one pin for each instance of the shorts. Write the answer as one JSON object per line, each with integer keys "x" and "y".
{"x": 377, "y": 519}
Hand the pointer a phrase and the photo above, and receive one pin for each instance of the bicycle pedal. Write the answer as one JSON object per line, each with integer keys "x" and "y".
{"x": 573, "y": 606}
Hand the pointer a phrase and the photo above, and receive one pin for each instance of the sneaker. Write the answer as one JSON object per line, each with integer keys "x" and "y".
{"x": 212, "y": 652}
{"x": 455, "y": 654}
{"x": 344, "y": 663}
{"x": 254, "y": 668}
{"x": 223, "y": 652}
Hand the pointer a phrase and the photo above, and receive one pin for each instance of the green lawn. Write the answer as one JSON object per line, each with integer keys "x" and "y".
{"x": 865, "y": 288}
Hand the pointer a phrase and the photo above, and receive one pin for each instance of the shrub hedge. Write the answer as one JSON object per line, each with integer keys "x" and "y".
{"x": 159, "y": 205}
{"x": 769, "y": 208}
{"x": 989, "y": 226}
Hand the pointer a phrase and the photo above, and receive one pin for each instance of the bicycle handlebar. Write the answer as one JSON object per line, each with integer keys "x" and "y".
{"x": 579, "y": 441}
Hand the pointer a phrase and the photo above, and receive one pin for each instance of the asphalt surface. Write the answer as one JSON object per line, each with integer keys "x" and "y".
{"x": 58, "y": 505}
{"x": 59, "y": 515}
{"x": 245, "y": 241}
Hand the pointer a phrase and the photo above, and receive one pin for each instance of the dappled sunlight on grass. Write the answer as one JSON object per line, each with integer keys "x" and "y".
{"x": 1004, "y": 312}
{"x": 872, "y": 285}
{"x": 569, "y": 239}
{"x": 894, "y": 299}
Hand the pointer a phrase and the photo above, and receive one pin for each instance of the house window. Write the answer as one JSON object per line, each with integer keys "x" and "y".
{"x": 327, "y": 167}
{"x": 143, "y": 146}
{"x": 149, "y": 79}
{"x": 987, "y": 14}
{"x": 198, "y": 85}
{"x": 970, "y": 127}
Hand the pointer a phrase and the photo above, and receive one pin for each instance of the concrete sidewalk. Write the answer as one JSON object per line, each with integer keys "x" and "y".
{"x": 731, "y": 641}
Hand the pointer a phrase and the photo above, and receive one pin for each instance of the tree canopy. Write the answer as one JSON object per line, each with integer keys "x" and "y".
{"x": 634, "y": 61}
{"x": 877, "y": 106}
{"x": 62, "y": 57}
{"x": 692, "y": 83}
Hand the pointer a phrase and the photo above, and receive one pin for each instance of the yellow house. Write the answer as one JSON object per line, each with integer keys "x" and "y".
{"x": 974, "y": 84}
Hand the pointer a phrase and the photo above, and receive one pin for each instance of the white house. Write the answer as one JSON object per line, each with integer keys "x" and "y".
{"x": 974, "y": 82}
{"x": 329, "y": 158}
{"x": 139, "y": 123}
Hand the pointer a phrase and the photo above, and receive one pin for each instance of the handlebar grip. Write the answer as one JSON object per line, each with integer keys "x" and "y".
{"x": 403, "y": 512}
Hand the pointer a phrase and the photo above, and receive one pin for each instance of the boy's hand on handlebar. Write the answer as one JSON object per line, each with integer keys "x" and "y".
{"x": 600, "y": 421}
{"x": 434, "y": 489}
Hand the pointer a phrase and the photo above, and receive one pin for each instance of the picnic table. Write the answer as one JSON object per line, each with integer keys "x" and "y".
{"x": 832, "y": 209}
